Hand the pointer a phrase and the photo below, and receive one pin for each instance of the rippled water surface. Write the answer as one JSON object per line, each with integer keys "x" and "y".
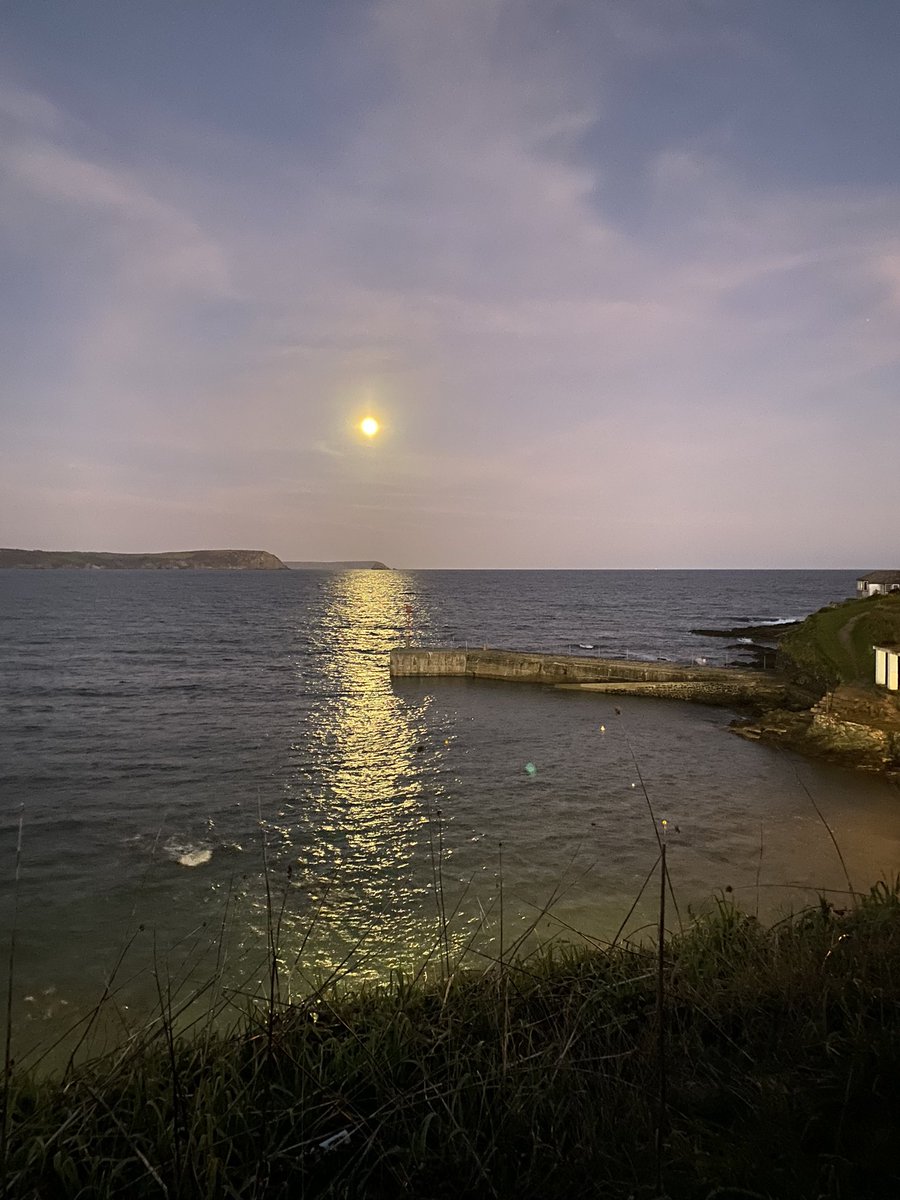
{"x": 173, "y": 740}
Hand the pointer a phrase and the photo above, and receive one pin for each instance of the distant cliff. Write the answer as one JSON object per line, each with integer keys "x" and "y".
{"x": 367, "y": 564}
{"x": 174, "y": 560}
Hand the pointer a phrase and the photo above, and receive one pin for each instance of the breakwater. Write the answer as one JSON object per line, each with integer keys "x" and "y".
{"x": 702, "y": 684}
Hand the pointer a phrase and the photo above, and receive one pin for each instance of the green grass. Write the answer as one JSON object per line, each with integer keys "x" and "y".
{"x": 834, "y": 645}
{"x": 536, "y": 1077}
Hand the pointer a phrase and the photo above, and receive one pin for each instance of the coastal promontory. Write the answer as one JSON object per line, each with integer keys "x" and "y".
{"x": 836, "y": 708}
{"x": 173, "y": 560}
{"x": 367, "y": 564}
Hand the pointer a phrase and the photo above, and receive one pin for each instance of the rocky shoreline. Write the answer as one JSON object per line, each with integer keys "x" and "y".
{"x": 851, "y": 726}
{"x": 848, "y": 721}
{"x": 757, "y": 645}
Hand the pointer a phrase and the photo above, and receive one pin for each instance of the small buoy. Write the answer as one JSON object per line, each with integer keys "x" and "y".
{"x": 634, "y": 785}
{"x": 603, "y": 729}
{"x": 530, "y": 768}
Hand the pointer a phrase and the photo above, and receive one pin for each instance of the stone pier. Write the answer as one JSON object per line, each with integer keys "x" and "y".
{"x": 705, "y": 685}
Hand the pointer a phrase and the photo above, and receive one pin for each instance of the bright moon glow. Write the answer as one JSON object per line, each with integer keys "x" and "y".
{"x": 369, "y": 426}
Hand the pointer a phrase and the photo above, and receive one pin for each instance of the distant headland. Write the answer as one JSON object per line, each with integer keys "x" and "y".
{"x": 173, "y": 560}
{"x": 367, "y": 564}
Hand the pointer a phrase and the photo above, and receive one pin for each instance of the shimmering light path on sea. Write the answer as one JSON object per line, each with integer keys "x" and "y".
{"x": 169, "y": 736}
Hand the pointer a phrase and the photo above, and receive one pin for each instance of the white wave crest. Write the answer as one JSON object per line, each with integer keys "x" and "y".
{"x": 187, "y": 854}
{"x": 195, "y": 858}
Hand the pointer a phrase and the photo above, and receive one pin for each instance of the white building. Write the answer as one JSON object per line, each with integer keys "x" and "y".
{"x": 887, "y": 667}
{"x": 877, "y": 583}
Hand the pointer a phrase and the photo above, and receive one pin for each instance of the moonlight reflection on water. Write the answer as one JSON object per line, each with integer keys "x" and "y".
{"x": 204, "y": 757}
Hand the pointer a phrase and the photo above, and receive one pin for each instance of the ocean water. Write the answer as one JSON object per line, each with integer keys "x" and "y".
{"x": 191, "y": 758}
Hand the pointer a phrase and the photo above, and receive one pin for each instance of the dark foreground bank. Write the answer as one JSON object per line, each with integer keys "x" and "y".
{"x": 540, "y": 1077}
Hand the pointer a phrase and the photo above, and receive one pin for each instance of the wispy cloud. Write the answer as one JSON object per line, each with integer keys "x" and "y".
{"x": 151, "y": 241}
{"x": 453, "y": 257}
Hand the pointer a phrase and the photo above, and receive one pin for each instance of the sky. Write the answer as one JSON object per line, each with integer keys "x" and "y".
{"x": 619, "y": 278}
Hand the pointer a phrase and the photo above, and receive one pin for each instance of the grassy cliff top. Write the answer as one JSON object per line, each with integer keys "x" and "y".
{"x": 172, "y": 560}
{"x": 834, "y": 645}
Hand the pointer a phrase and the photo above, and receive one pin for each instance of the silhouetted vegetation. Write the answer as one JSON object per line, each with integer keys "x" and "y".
{"x": 536, "y": 1077}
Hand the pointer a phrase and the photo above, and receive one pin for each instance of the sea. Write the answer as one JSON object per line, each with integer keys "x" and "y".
{"x": 198, "y": 768}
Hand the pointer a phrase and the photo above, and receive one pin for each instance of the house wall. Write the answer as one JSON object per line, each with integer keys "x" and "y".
{"x": 865, "y": 588}
{"x": 880, "y": 667}
{"x": 887, "y": 668}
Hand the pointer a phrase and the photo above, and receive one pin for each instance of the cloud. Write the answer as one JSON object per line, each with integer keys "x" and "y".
{"x": 452, "y": 240}
{"x": 19, "y": 106}
{"x": 453, "y": 258}
{"x": 155, "y": 243}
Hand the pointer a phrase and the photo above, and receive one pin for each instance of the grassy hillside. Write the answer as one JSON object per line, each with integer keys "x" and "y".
{"x": 545, "y": 1076}
{"x": 173, "y": 560}
{"x": 834, "y": 645}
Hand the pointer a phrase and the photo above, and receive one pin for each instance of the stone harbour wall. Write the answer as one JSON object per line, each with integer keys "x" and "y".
{"x": 416, "y": 662}
{"x": 707, "y": 685}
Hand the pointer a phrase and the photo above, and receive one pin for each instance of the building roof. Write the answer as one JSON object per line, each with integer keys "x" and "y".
{"x": 880, "y": 577}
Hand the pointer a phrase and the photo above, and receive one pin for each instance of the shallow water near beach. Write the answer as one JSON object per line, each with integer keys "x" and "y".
{"x": 174, "y": 743}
